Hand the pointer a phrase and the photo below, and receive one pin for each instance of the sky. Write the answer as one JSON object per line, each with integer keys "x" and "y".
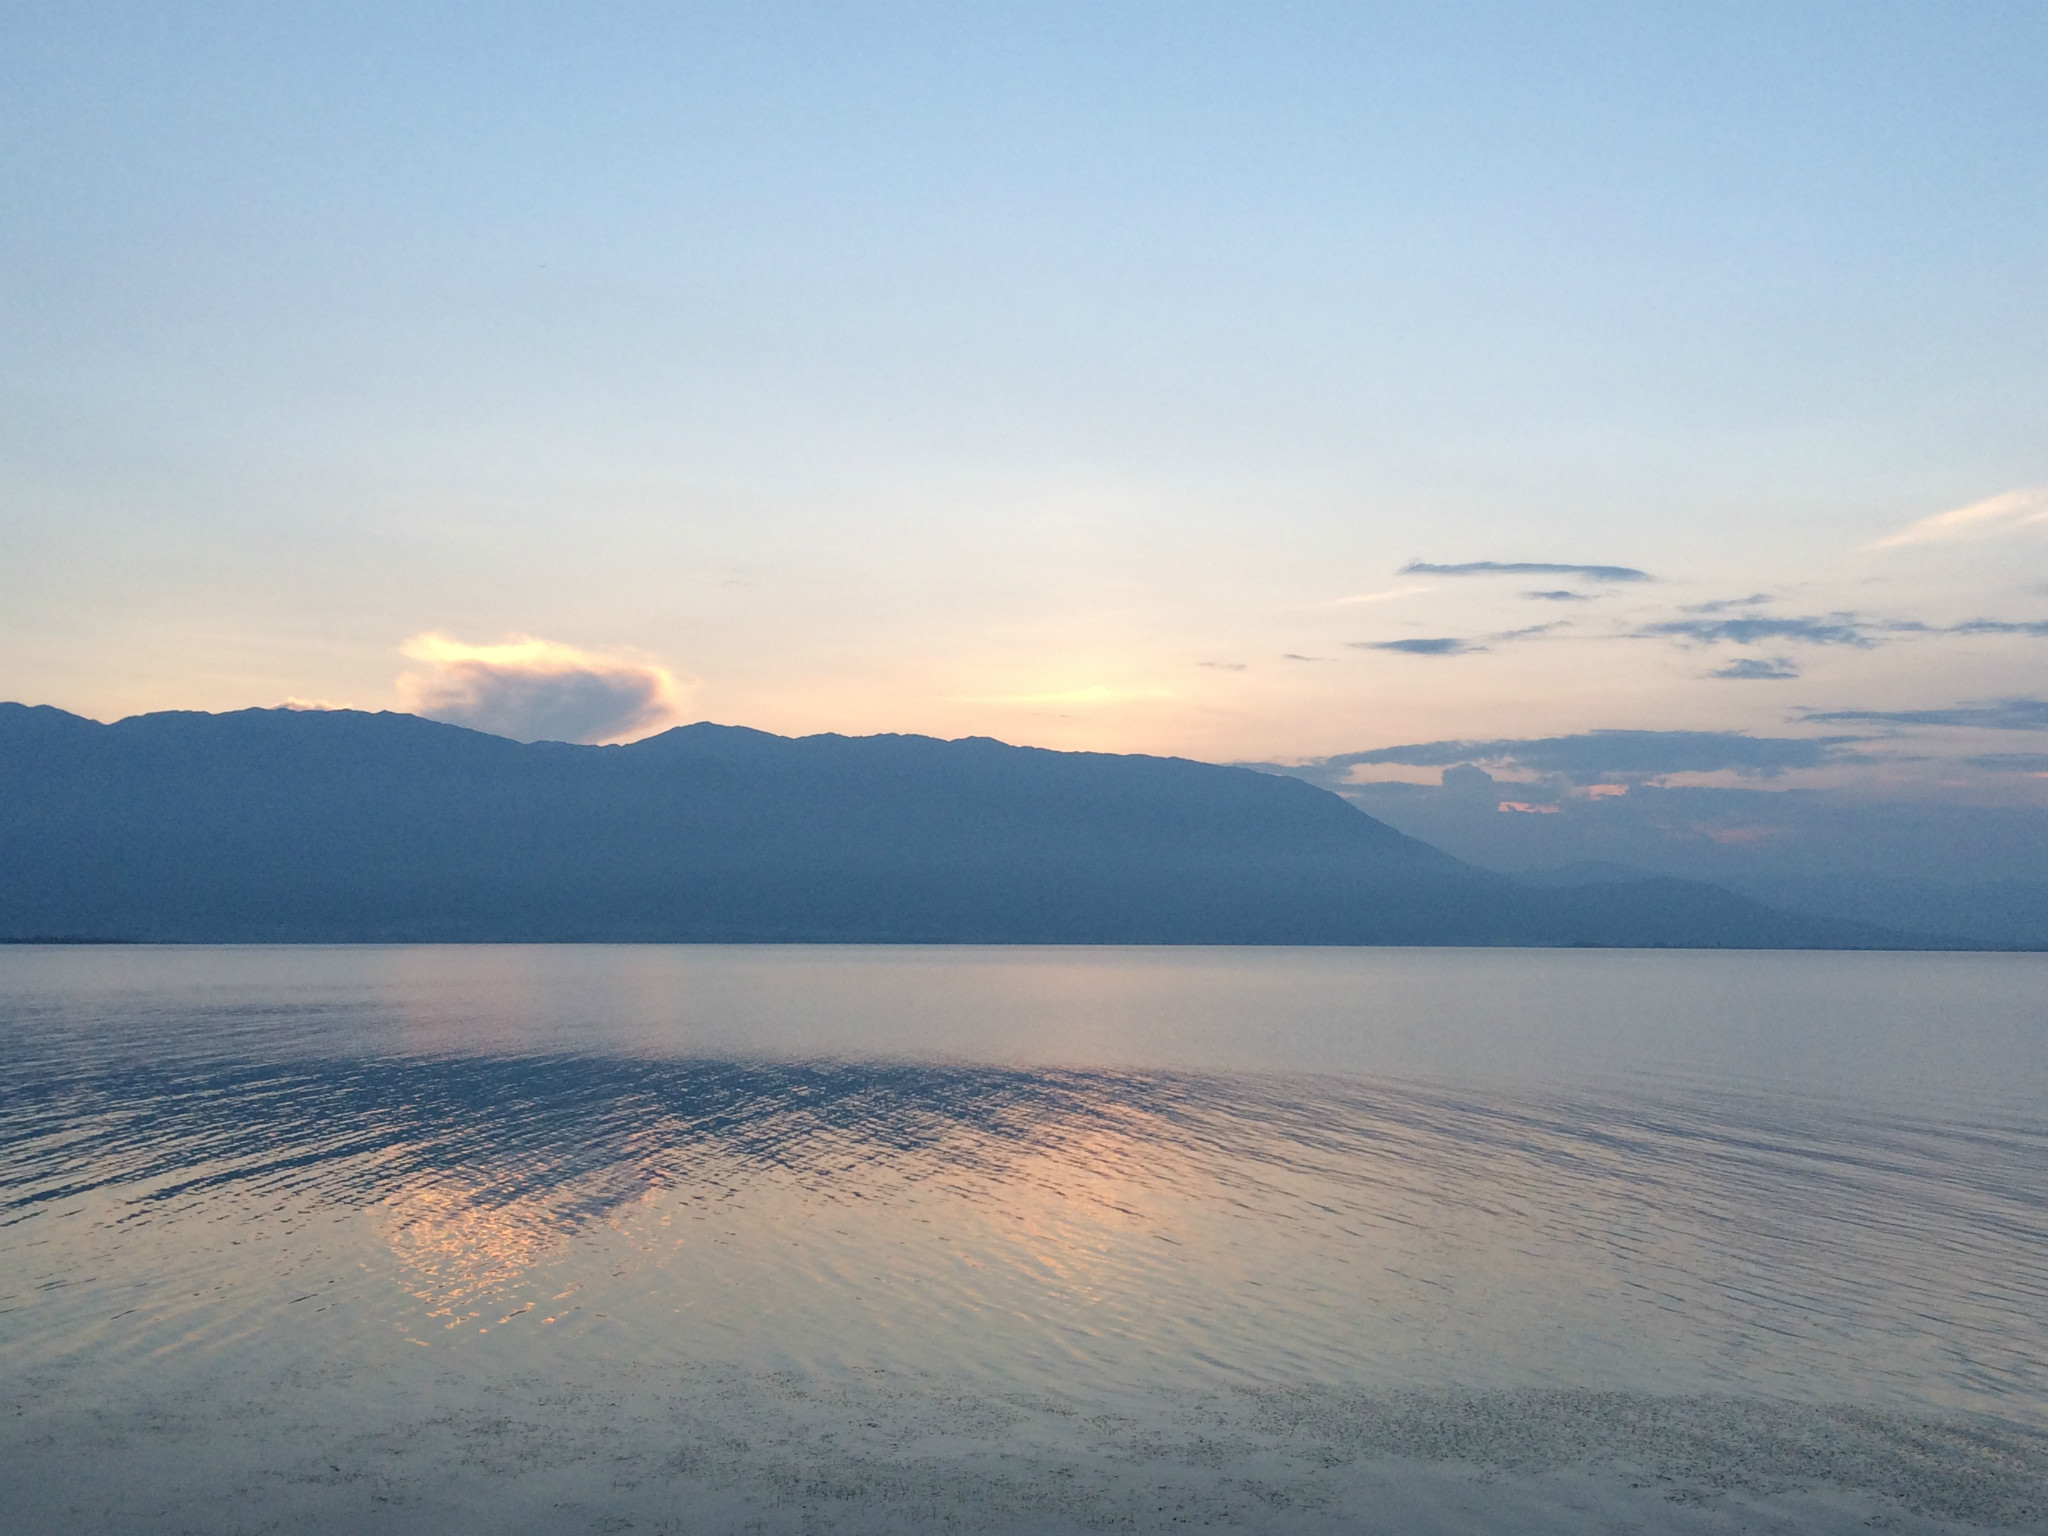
{"x": 1362, "y": 390}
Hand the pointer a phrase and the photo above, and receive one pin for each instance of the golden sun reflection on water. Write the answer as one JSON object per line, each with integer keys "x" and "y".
{"x": 469, "y": 1256}
{"x": 803, "y": 1162}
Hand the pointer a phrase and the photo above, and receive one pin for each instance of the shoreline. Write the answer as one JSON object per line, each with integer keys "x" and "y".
{"x": 711, "y": 1448}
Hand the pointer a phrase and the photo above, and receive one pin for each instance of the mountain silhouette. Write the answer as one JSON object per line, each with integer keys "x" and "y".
{"x": 343, "y": 826}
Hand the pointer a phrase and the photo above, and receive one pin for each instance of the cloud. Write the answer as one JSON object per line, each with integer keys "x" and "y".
{"x": 2011, "y": 762}
{"x": 1999, "y": 627}
{"x": 1450, "y": 645}
{"x": 1758, "y": 669}
{"x": 1724, "y": 604}
{"x": 1620, "y": 757}
{"x": 1222, "y": 666}
{"x": 1998, "y": 715}
{"x": 1994, "y": 515}
{"x": 537, "y": 690}
{"x": 1834, "y": 629}
{"x": 1851, "y": 629}
{"x": 1443, "y": 645}
{"x": 1525, "y": 568}
{"x": 1558, "y": 597}
{"x": 1381, "y": 597}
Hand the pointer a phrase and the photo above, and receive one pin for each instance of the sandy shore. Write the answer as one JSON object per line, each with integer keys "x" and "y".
{"x": 717, "y": 1449}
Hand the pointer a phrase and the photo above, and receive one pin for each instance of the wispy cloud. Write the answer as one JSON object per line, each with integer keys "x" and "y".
{"x": 2000, "y": 627}
{"x": 1382, "y": 597}
{"x": 1833, "y": 629}
{"x": 1525, "y": 568}
{"x": 1995, "y": 715}
{"x": 1619, "y": 757}
{"x": 2011, "y": 762}
{"x": 1757, "y": 669}
{"x": 1562, "y": 596}
{"x": 537, "y": 690}
{"x": 1441, "y": 645}
{"x": 1729, "y": 604}
{"x": 1980, "y": 519}
{"x": 1452, "y": 645}
{"x": 1851, "y": 629}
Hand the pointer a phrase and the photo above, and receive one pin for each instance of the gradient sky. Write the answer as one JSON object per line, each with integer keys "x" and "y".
{"x": 1080, "y": 375}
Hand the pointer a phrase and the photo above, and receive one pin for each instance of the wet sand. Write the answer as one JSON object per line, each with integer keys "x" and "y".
{"x": 711, "y": 1450}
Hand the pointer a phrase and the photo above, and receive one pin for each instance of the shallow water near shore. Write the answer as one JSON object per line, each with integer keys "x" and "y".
{"x": 762, "y": 1238}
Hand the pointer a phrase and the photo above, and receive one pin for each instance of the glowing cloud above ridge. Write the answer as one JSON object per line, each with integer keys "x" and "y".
{"x": 538, "y": 690}
{"x": 1995, "y": 514}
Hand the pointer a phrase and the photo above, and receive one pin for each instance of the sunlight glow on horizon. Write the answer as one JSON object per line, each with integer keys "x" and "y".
{"x": 1083, "y": 378}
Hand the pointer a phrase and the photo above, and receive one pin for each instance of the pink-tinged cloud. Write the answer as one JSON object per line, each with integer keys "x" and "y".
{"x": 538, "y": 690}
{"x": 2026, "y": 507}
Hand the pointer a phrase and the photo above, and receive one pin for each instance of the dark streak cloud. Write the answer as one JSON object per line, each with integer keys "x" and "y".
{"x": 1723, "y": 605}
{"x": 1596, "y": 757}
{"x": 1834, "y": 629}
{"x": 1998, "y": 715}
{"x": 1560, "y": 596}
{"x": 1449, "y": 645}
{"x": 1758, "y": 669}
{"x": 1444, "y": 645}
{"x": 1851, "y": 629}
{"x": 2011, "y": 762}
{"x": 1525, "y": 568}
{"x": 1999, "y": 627}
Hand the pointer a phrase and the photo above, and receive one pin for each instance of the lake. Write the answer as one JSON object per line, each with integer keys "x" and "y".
{"x": 802, "y": 1239}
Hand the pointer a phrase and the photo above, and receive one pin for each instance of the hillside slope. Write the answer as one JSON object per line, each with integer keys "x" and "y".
{"x": 276, "y": 825}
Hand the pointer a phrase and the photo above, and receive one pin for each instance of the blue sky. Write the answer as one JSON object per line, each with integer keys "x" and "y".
{"x": 1085, "y": 375}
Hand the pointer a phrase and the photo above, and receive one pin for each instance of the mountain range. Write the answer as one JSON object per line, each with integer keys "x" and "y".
{"x": 344, "y": 826}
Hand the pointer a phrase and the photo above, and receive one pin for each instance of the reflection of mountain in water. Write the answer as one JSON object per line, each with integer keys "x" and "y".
{"x": 277, "y": 825}
{"x": 578, "y": 1135}
{"x": 584, "y": 1133}
{"x": 1310, "y": 1220}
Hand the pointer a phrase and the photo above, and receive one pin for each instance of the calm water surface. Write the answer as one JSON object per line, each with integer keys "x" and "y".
{"x": 1813, "y": 1177}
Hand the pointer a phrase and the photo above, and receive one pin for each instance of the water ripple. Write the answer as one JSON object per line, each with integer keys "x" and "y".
{"x": 221, "y": 1169}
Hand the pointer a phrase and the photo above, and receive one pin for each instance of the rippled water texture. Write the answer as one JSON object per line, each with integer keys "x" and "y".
{"x": 1083, "y": 1176}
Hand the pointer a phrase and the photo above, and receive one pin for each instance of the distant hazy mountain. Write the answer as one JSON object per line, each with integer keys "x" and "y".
{"x": 1996, "y": 914}
{"x": 336, "y": 826}
{"x": 1986, "y": 914}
